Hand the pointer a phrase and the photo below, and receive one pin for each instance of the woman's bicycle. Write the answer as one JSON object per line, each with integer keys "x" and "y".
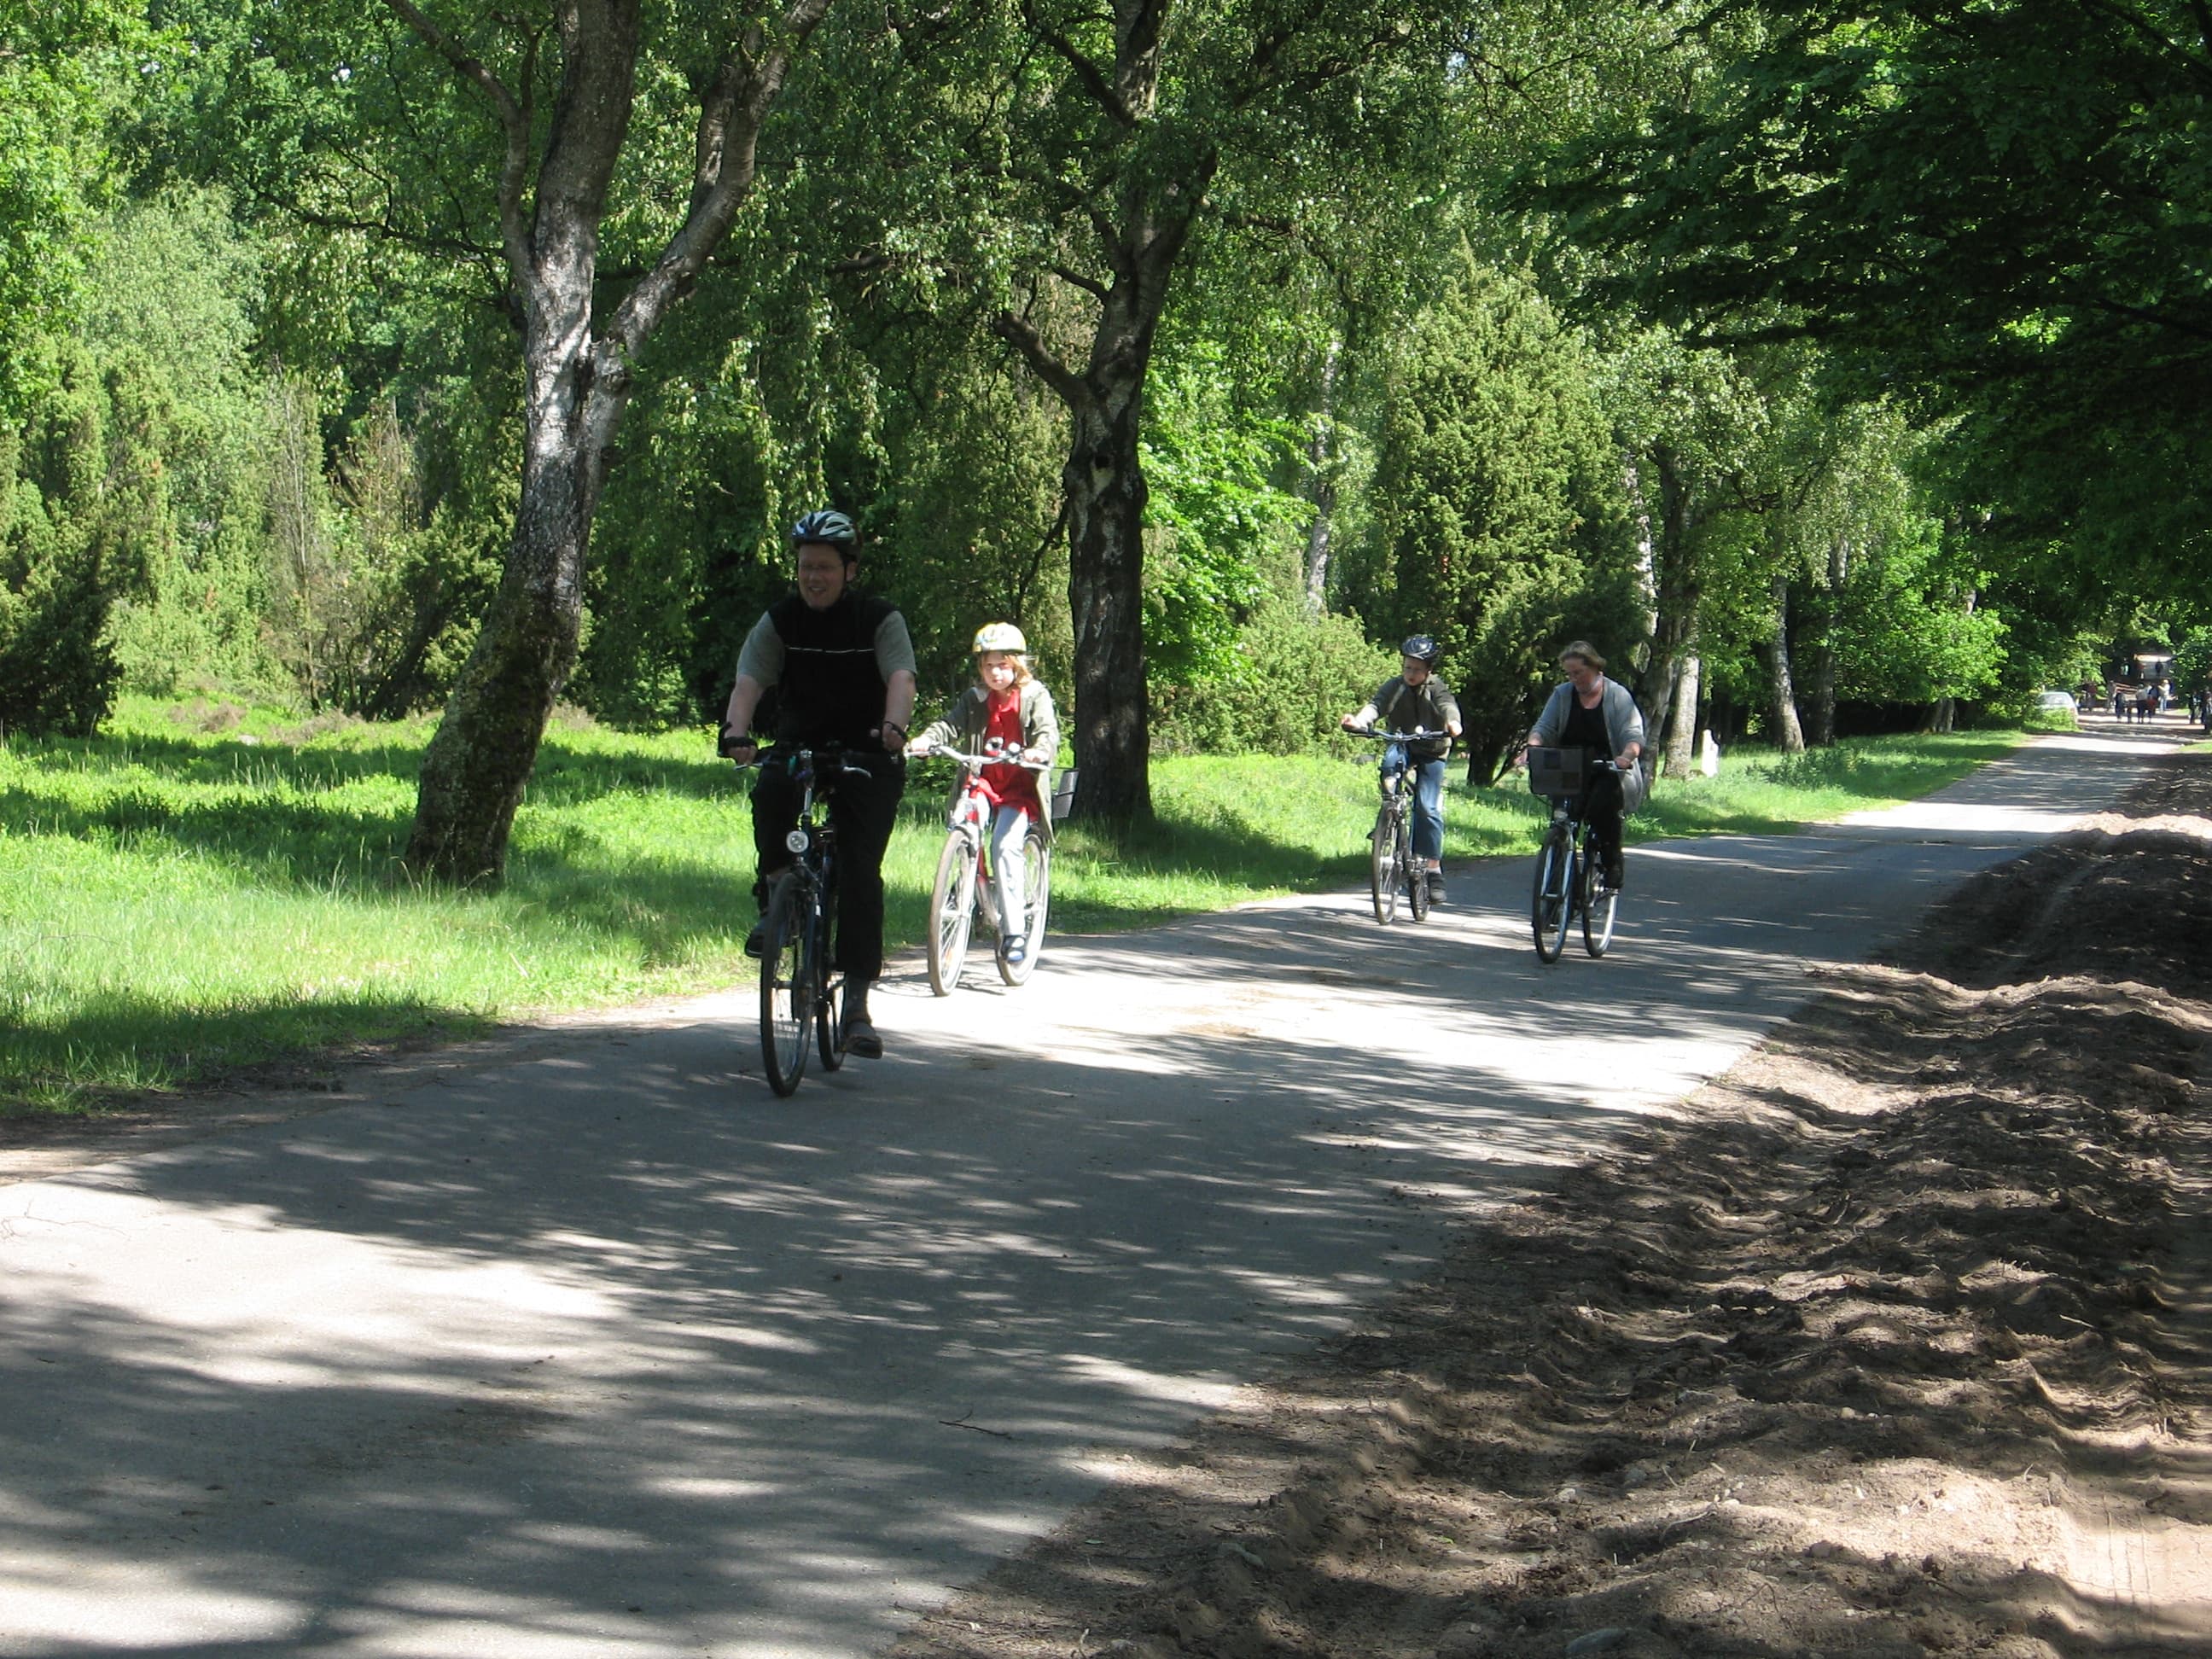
{"x": 1392, "y": 867}
{"x": 799, "y": 985}
{"x": 1568, "y": 882}
{"x": 966, "y": 887}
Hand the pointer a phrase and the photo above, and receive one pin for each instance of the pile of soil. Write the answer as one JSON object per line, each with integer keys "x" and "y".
{"x": 1896, "y": 1342}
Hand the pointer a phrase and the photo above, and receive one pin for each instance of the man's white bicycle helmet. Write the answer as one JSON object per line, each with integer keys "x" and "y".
{"x": 999, "y": 636}
{"x": 828, "y": 527}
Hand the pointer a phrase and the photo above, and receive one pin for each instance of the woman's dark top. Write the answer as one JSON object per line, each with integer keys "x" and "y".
{"x": 1585, "y": 728}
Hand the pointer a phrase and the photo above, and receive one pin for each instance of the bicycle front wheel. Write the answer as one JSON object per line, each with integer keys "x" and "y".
{"x": 1600, "y": 901}
{"x": 1382, "y": 867}
{"x": 1036, "y": 884}
{"x": 951, "y": 912}
{"x": 786, "y": 996}
{"x": 1549, "y": 912}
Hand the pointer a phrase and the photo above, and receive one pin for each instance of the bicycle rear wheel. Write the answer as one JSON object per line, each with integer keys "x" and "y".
{"x": 1382, "y": 865}
{"x": 787, "y": 997}
{"x": 1549, "y": 912}
{"x": 951, "y": 912}
{"x": 1599, "y": 903}
{"x": 829, "y": 1000}
{"x": 1036, "y": 886}
{"x": 1415, "y": 881}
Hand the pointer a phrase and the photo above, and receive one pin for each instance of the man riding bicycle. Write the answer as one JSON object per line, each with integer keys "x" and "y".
{"x": 1417, "y": 701}
{"x": 843, "y": 667}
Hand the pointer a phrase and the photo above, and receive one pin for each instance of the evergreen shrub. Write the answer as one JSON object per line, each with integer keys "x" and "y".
{"x": 1295, "y": 673}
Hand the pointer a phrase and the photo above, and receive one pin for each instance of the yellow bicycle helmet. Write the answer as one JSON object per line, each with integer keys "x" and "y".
{"x": 999, "y": 636}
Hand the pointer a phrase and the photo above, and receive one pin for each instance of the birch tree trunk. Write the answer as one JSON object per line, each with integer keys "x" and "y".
{"x": 1676, "y": 595}
{"x": 1781, "y": 692}
{"x": 1824, "y": 660}
{"x": 1682, "y": 717}
{"x": 1320, "y": 454}
{"x": 553, "y": 191}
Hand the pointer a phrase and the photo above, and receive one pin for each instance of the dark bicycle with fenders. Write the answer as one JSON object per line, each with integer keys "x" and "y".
{"x": 1568, "y": 882}
{"x": 800, "y": 987}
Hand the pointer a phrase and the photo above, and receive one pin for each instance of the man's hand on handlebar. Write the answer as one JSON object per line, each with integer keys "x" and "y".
{"x": 740, "y": 746}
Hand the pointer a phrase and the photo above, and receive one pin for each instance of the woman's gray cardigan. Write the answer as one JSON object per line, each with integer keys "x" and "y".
{"x": 1624, "y": 725}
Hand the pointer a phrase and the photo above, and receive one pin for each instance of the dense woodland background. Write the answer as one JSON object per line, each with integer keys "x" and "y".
{"x": 1828, "y": 365}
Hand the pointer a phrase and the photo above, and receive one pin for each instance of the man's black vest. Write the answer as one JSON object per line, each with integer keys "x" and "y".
{"x": 830, "y": 690}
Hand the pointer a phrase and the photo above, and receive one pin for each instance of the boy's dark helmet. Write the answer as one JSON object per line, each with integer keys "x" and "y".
{"x": 1420, "y": 647}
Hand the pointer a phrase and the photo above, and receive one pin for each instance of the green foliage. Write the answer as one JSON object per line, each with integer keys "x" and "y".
{"x": 176, "y": 286}
{"x": 1908, "y": 628}
{"x": 2192, "y": 659}
{"x": 66, "y": 73}
{"x": 1995, "y": 207}
{"x": 1215, "y": 521}
{"x": 84, "y": 515}
{"x": 1292, "y": 675}
{"x": 1500, "y": 526}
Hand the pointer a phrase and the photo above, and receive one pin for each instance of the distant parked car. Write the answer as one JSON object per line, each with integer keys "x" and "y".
{"x": 2055, "y": 700}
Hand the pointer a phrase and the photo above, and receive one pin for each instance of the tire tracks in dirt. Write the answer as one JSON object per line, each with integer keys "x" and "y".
{"x": 1896, "y": 1342}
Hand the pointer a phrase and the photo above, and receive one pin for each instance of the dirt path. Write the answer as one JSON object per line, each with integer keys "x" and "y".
{"x": 578, "y": 1341}
{"x": 1898, "y": 1342}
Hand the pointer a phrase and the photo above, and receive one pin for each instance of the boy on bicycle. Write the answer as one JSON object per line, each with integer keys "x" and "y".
{"x": 1417, "y": 701}
{"x": 1009, "y": 707}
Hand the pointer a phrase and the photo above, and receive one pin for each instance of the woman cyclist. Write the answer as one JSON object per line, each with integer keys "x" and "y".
{"x": 1009, "y": 707}
{"x": 1417, "y": 701}
{"x": 1594, "y": 713}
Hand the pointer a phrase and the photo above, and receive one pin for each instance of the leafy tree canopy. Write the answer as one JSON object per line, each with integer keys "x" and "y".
{"x": 68, "y": 68}
{"x": 2002, "y": 208}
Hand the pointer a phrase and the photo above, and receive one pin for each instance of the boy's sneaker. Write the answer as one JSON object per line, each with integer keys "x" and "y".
{"x": 756, "y": 941}
{"x": 1613, "y": 868}
{"x": 1436, "y": 887}
{"x": 1018, "y": 949}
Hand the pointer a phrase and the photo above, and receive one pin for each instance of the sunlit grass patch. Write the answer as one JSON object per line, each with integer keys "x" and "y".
{"x": 1762, "y": 791}
{"x": 201, "y": 888}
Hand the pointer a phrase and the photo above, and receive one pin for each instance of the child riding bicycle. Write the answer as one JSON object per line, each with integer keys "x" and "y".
{"x": 1006, "y": 711}
{"x": 1416, "y": 701}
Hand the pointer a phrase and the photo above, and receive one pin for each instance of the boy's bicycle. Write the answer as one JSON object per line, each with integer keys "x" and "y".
{"x": 1392, "y": 867}
{"x": 800, "y": 986}
{"x": 966, "y": 885}
{"x": 1568, "y": 882}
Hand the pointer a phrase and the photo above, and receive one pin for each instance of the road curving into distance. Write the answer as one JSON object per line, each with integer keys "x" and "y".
{"x": 581, "y": 1343}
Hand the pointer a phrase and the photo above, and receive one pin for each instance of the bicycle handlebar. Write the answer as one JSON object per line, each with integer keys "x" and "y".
{"x": 1594, "y": 760}
{"x": 1416, "y": 735}
{"x": 833, "y": 752}
{"x": 1017, "y": 759}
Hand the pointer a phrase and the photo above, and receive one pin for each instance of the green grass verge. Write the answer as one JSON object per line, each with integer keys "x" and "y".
{"x": 192, "y": 893}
